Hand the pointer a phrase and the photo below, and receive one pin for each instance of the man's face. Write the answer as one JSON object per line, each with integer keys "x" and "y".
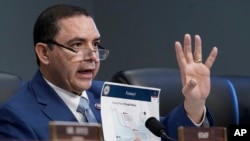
{"x": 65, "y": 69}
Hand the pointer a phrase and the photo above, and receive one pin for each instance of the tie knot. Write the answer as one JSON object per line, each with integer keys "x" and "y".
{"x": 83, "y": 105}
{"x": 83, "y": 108}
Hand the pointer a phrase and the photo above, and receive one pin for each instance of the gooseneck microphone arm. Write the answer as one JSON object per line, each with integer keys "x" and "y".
{"x": 165, "y": 136}
{"x": 157, "y": 128}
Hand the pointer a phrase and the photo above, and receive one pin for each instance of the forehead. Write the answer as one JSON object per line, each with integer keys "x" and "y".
{"x": 77, "y": 27}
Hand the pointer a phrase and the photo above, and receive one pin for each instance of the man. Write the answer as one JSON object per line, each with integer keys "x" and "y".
{"x": 68, "y": 51}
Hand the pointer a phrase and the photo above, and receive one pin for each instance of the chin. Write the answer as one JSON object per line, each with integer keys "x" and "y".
{"x": 85, "y": 84}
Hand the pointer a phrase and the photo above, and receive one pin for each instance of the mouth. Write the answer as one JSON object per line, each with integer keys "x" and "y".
{"x": 86, "y": 73}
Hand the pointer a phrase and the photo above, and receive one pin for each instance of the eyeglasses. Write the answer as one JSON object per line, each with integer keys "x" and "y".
{"x": 101, "y": 52}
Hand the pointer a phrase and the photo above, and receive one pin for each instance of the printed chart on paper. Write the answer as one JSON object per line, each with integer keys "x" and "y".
{"x": 125, "y": 109}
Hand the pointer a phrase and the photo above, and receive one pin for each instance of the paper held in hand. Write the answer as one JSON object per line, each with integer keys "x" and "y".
{"x": 125, "y": 109}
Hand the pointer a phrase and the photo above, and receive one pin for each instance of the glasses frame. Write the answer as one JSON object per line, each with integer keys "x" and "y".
{"x": 70, "y": 49}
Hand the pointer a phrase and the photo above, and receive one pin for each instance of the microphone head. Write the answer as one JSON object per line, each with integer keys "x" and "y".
{"x": 154, "y": 126}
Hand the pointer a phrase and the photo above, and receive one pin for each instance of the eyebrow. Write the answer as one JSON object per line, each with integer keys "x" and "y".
{"x": 81, "y": 39}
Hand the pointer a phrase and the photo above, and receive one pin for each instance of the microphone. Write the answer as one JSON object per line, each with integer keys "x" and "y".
{"x": 157, "y": 128}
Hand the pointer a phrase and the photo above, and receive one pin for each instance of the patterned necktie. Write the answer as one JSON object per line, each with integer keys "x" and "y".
{"x": 84, "y": 108}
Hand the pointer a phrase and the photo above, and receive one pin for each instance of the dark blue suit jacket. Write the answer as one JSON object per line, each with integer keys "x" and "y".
{"x": 26, "y": 115}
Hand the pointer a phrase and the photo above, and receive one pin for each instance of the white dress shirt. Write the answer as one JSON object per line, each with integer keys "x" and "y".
{"x": 203, "y": 119}
{"x": 70, "y": 99}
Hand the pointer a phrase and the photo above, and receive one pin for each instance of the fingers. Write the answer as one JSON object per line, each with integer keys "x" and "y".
{"x": 184, "y": 54}
{"x": 197, "y": 49}
{"x": 188, "y": 48}
{"x": 211, "y": 58}
{"x": 180, "y": 55}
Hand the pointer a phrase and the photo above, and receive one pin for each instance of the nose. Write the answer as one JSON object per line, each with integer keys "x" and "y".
{"x": 91, "y": 54}
{"x": 88, "y": 54}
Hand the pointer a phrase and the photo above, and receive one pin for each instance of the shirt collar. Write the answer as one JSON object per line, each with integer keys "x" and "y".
{"x": 72, "y": 100}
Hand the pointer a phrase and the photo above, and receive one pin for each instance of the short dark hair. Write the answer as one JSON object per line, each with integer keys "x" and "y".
{"x": 46, "y": 26}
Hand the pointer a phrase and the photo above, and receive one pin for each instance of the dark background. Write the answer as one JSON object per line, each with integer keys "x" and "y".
{"x": 139, "y": 33}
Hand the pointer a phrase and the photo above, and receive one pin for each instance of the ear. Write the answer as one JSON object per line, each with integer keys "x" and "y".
{"x": 42, "y": 50}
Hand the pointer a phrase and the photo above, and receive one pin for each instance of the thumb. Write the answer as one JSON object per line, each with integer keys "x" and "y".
{"x": 189, "y": 86}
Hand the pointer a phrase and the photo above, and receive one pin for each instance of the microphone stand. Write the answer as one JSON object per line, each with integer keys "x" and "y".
{"x": 165, "y": 136}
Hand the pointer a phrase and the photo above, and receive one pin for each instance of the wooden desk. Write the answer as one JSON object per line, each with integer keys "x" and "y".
{"x": 74, "y": 131}
{"x": 202, "y": 134}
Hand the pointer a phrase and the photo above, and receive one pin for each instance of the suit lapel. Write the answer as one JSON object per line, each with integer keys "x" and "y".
{"x": 93, "y": 102}
{"x": 58, "y": 111}
{"x": 94, "y": 94}
{"x": 54, "y": 108}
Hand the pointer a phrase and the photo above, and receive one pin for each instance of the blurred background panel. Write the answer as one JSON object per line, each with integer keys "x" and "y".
{"x": 138, "y": 33}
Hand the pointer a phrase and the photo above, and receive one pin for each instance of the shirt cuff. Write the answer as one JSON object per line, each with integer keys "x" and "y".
{"x": 203, "y": 118}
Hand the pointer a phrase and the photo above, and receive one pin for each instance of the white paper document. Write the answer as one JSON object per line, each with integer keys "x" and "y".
{"x": 125, "y": 109}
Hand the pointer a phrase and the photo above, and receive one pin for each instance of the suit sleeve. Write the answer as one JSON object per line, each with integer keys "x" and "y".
{"x": 178, "y": 117}
{"x": 10, "y": 120}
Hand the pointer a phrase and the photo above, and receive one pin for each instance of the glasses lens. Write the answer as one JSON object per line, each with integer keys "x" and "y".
{"x": 103, "y": 54}
{"x": 85, "y": 53}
